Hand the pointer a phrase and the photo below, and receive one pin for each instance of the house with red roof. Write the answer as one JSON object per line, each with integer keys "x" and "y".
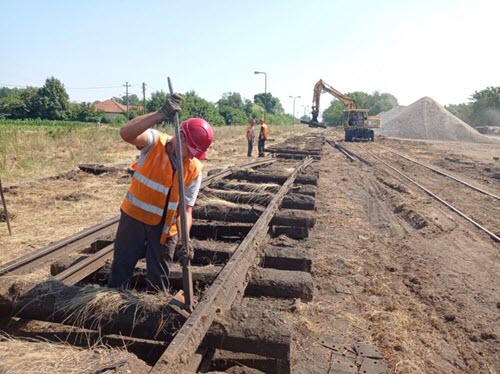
{"x": 113, "y": 109}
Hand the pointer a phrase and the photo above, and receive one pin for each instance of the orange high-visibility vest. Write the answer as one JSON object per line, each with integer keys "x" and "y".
{"x": 250, "y": 132}
{"x": 152, "y": 183}
{"x": 263, "y": 132}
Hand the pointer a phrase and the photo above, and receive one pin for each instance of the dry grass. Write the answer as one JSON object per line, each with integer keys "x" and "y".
{"x": 101, "y": 304}
{"x": 34, "y": 153}
{"x": 24, "y": 281}
{"x": 42, "y": 213}
{"x": 33, "y": 356}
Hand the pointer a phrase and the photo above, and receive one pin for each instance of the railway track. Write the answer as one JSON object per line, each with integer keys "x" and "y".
{"x": 239, "y": 211}
{"x": 417, "y": 176}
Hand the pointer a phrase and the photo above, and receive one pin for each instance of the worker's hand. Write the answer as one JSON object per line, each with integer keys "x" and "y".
{"x": 184, "y": 253}
{"x": 172, "y": 105}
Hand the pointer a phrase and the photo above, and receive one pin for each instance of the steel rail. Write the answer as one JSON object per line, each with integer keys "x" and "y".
{"x": 345, "y": 153}
{"x": 72, "y": 243}
{"x": 440, "y": 172}
{"x": 342, "y": 148}
{"x": 76, "y": 273}
{"x": 85, "y": 237}
{"x": 230, "y": 283}
{"x": 492, "y": 235}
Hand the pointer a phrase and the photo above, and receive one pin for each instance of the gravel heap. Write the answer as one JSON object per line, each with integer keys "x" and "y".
{"x": 390, "y": 114}
{"x": 426, "y": 119}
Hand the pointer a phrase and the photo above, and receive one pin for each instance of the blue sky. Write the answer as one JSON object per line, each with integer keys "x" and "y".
{"x": 443, "y": 49}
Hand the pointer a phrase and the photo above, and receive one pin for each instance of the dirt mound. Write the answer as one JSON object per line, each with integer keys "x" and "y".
{"x": 427, "y": 120}
{"x": 390, "y": 114}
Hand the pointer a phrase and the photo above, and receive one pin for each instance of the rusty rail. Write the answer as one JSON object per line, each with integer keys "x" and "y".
{"x": 463, "y": 215}
{"x": 230, "y": 282}
{"x": 83, "y": 239}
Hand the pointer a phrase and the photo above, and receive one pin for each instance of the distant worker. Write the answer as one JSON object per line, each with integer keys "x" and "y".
{"x": 148, "y": 223}
{"x": 250, "y": 135}
{"x": 353, "y": 121}
{"x": 263, "y": 134}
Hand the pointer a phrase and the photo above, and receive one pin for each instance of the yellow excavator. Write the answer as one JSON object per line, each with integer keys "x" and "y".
{"x": 358, "y": 125}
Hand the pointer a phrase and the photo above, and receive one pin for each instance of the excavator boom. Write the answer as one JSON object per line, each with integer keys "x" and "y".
{"x": 357, "y": 124}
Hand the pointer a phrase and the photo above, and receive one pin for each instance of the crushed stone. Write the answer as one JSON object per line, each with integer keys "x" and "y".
{"x": 425, "y": 119}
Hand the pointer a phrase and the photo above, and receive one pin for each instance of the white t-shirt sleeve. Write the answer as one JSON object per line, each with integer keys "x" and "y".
{"x": 192, "y": 189}
{"x": 153, "y": 137}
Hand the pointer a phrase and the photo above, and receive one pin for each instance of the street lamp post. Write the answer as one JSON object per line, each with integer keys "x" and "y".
{"x": 265, "y": 91}
{"x": 294, "y": 97}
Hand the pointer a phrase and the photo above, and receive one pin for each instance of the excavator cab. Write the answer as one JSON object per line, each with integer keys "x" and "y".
{"x": 358, "y": 125}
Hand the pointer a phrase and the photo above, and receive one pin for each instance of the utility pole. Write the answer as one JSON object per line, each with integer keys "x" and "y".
{"x": 127, "y": 86}
{"x": 294, "y": 97}
{"x": 144, "y": 98}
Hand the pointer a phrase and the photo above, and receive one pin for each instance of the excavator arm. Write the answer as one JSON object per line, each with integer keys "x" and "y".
{"x": 321, "y": 87}
{"x": 357, "y": 124}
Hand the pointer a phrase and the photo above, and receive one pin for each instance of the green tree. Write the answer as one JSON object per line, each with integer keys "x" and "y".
{"x": 375, "y": 103}
{"x": 157, "y": 100}
{"x": 334, "y": 114}
{"x": 133, "y": 99}
{"x": 52, "y": 100}
{"x": 118, "y": 100}
{"x": 6, "y": 92}
{"x": 380, "y": 102}
{"x": 233, "y": 116}
{"x": 19, "y": 103}
{"x": 232, "y": 100}
{"x": 486, "y": 107}
{"x": 83, "y": 112}
{"x": 269, "y": 102}
{"x": 249, "y": 108}
{"x": 232, "y": 108}
{"x": 464, "y": 111}
{"x": 195, "y": 106}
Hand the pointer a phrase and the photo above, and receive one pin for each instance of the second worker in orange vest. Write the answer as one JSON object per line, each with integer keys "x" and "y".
{"x": 263, "y": 134}
{"x": 149, "y": 211}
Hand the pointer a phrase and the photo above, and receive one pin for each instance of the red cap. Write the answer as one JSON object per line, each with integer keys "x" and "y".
{"x": 252, "y": 121}
{"x": 199, "y": 135}
{"x": 261, "y": 120}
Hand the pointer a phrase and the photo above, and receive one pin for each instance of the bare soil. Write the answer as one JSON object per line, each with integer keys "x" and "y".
{"x": 395, "y": 268}
{"x": 392, "y": 267}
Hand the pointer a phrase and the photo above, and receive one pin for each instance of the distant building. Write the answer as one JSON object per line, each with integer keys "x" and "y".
{"x": 113, "y": 109}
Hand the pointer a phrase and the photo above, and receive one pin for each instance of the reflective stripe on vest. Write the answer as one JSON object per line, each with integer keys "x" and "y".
{"x": 151, "y": 184}
{"x": 144, "y": 206}
{"x": 153, "y": 181}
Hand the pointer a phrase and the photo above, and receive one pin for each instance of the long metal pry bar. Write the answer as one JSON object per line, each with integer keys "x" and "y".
{"x": 187, "y": 277}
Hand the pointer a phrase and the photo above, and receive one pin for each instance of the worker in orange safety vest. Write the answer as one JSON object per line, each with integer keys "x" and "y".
{"x": 250, "y": 135}
{"x": 263, "y": 134}
{"x": 148, "y": 223}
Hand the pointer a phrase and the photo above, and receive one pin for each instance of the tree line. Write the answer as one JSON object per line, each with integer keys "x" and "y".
{"x": 51, "y": 101}
{"x": 482, "y": 110}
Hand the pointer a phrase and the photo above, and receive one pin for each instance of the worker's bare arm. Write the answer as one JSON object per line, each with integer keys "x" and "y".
{"x": 189, "y": 217}
{"x": 134, "y": 131}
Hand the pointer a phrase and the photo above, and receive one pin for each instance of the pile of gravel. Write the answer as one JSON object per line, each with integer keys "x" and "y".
{"x": 390, "y": 114}
{"x": 426, "y": 119}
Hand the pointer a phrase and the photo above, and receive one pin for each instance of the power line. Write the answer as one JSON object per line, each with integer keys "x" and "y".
{"x": 68, "y": 88}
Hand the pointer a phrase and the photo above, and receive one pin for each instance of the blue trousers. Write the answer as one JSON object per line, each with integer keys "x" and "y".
{"x": 136, "y": 240}
{"x": 261, "y": 146}
{"x": 250, "y": 148}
